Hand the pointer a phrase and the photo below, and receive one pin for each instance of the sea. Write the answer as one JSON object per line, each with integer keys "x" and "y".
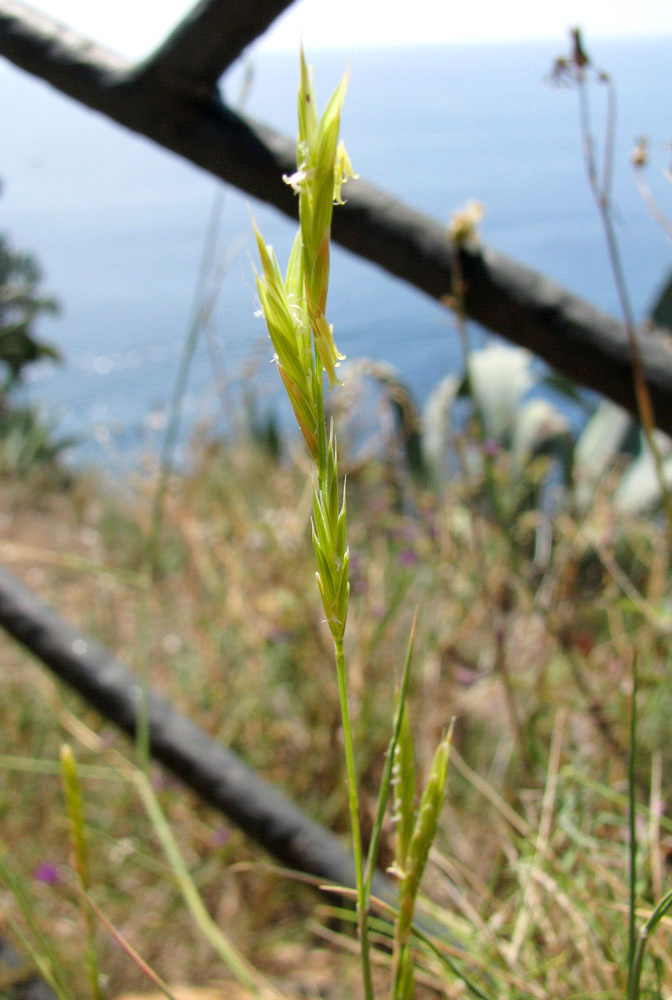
{"x": 133, "y": 241}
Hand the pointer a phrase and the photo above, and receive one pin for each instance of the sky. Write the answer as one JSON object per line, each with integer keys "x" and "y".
{"x": 133, "y": 27}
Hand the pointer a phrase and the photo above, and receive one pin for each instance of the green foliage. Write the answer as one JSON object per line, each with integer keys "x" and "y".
{"x": 404, "y": 787}
{"x": 21, "y": 305}
{"x": 27, "y": 440}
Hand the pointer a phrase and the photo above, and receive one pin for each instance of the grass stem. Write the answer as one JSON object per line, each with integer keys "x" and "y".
{"x": 602, "y": 195}
{"x": 632, "y": 834}
{"x": 353, "y": 802}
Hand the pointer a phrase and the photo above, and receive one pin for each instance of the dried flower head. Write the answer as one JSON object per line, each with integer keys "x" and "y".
{"x": 48, "y": 872}
{"x": 463, "y": 228}
{"x": 639, "y": 157}
{"x": 577, "y": 66}
{"x": 580, "y": 58}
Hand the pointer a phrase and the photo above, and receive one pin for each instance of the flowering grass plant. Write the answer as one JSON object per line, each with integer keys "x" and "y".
{"x": 295, "y": 313}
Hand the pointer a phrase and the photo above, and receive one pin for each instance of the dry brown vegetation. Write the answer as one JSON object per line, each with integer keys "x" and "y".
{"x": 535, "y": 659}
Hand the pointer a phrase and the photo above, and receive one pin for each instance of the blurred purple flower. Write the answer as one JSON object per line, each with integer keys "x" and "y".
{"x": 407, "y": 557}
{"x": 491, "y": 448}
{"x": 378, "y": 505}
{"x": 48, "y": 873}
{"x": 358, "y": 582}
{"x": 220, "y": 836}
{"x": 465, "y": 676}
{"x": 277, "y": 634}
{"x": 160, "y": 779}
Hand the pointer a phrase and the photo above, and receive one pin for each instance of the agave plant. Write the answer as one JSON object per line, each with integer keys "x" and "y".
{"x": 612, "y": 435}
{"x": 434, "y": 444}
{"x": 21, "y": 306}
{"x": 513, "y": 426}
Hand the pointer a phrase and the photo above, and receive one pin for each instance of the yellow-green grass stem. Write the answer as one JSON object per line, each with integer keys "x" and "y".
{"x": 246, "y": 974}
{"x": 386, "y": 780}
{"x": 353, "y": 802}
{"x": 125, "y": 945}
{"x": 74, "y": 802}
{"x": 417, "y": 854}
{"x": 642, "y": 938}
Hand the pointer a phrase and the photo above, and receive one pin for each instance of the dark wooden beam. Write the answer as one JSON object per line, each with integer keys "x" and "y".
{"x": 507, "y": 298}
{"x": 207, "y": 41}
{"x": 215, "y": 773}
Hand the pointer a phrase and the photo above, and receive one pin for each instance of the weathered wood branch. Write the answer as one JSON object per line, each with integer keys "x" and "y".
{"x": 507, "y": 298}
{"x": 214, "y": 772}
{"x": 207, "y": 41}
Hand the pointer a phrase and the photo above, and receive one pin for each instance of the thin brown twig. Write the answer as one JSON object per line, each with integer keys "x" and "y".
{"x": 581, "y": 66}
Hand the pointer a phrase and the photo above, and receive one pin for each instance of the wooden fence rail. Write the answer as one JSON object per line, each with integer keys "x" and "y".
{"x": 215, "y": 773}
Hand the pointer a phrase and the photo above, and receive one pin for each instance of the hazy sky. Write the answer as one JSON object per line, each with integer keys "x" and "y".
{"x": 133, "y": 27}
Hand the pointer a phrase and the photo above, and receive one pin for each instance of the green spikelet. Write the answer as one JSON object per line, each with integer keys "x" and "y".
{"x": 289, "y": 330}
{"x": 404, "y": 978}
{"x": 331, "y": 553}
{"x": 415, "y": 860}
{"x": 74, "y": 804}
{"x": 75, "y": 809}
{"x": 404, "y": 793}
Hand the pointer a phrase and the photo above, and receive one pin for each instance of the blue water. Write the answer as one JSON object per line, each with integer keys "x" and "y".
{"x": 119, "y": 225}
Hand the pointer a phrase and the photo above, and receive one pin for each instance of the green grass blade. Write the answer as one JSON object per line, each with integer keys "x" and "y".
{"x": 386, "y": 779}
{"x": 241, "y": 969}
{"x": 632, "y": 903}
{"x": 74, "y": 803}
